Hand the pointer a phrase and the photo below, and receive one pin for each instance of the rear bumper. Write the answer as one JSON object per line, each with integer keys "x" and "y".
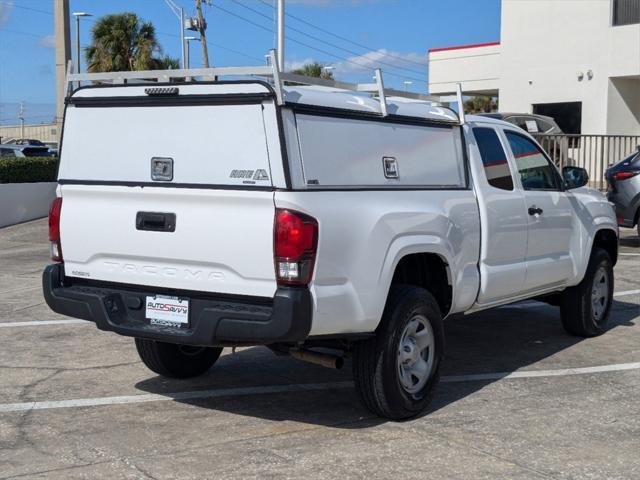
{"x": 212, "y": 321}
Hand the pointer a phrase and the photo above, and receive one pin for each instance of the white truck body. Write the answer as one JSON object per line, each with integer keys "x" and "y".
{"x": 470, "y": 200}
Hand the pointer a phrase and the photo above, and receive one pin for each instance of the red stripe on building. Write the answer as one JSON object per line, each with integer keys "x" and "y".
{"x": 460, "y": 47}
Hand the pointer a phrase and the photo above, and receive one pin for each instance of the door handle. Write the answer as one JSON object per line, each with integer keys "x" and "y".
{"x": 535, "y": 210}
{"x": 156, "y": 221}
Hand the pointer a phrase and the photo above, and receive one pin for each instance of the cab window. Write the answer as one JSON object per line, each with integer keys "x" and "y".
{"x": 494, "y": 159}
{"x": 536, "y": 172}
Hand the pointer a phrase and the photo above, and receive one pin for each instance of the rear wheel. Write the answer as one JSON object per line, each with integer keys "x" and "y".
{"x": 397, "y": 371}
{"x": 585, "y": 308}
{"x": 176, "y": 361}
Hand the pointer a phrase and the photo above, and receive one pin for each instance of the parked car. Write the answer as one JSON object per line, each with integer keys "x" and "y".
{"x": 529, "y": 122}
{"x": 308, "y": 220}
{"x": 556, "y": 147}
{"x": 25, "y": 150}
{"x": 623, "y": 181}
{"x": 30, "y": 141}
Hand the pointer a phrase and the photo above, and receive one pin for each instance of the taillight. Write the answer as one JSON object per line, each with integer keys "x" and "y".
{"x": 624, "y": 175}
{"x": 54, "y": 229}
{"x": 295, "y": 245}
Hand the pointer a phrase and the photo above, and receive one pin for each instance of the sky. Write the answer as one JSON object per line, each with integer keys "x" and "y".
{"x": 353, "y": 36}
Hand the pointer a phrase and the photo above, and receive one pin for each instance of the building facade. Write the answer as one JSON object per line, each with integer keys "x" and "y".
{"x": 45, "y": 132}
{"x": 577, "y": 61}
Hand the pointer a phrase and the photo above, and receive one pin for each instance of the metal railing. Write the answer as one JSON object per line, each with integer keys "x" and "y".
{"x": 595, "y": 153}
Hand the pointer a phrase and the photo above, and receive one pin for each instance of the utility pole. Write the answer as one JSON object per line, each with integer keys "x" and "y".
{"x": 202, "y": 27}
{"x": 63, "y": 55}
{"x": 21, "y": 117}
{"x": 281, "y": 35}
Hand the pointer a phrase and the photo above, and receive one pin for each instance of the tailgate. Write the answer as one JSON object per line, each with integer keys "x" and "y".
{"x": 169, "y": 194}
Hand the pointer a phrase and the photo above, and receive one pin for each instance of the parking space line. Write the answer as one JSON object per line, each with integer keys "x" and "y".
{"x": 292, "y": 388}
{"x": 626, "y": 293}
{"x": 562, "y": 372}
{"x": 38, "y": 323}
{"x": 192, "y": 395}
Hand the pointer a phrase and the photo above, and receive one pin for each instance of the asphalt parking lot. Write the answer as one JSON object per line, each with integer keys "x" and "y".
{"x": 520, "y": 399}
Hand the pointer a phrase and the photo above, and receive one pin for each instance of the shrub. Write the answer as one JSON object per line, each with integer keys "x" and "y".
{"x": 28, "y": 170}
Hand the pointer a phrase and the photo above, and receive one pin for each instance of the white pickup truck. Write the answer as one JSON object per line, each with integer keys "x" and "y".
{"x": 324, "y": 224}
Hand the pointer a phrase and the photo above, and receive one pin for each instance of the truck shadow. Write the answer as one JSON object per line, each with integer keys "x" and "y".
{"x": 500, "y": 340}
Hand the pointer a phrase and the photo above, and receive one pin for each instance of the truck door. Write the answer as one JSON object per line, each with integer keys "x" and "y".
{"x": 503, "y": 217}
{"x": 549, "y": 214}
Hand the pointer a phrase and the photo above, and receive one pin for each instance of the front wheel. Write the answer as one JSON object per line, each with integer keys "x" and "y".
{"x": 176, "y": 361}
{"x": 397, "y": 371}
{"x": 585, "y": 308}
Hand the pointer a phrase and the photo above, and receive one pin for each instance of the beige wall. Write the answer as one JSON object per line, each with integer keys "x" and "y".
{"x": 477, "y": 68}
{"x": 545, "y": 46}
{"x": 541, "y": 64}
{"x": 624, "y": 106}
{"x": 44, "y": 132}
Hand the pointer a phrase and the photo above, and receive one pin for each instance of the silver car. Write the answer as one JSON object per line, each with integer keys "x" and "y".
{"x": 16, "y": 150}
{"x": 623, "y": 181}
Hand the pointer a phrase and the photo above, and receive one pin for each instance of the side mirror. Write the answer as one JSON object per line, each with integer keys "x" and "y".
{"x": 575, "y": 177}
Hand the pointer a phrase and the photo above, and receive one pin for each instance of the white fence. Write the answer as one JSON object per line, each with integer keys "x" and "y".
{"x": 595, "y": 153}
{"x": 21, "y": 202}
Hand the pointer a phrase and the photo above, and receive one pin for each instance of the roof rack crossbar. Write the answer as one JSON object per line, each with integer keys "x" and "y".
{"x": 270, "y": 72}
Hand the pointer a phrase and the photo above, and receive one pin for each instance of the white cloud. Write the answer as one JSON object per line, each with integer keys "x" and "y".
{"x": 5, "y": 12}
{"x": 386, "y": 60}
{"x": 295, "y": 64}
{"x": 48, "y": 41}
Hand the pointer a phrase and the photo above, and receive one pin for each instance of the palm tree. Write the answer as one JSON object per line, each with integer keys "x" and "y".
{"x": 122, "y": 42}
{"x": 314, "y": 69}
{"x": 480, "y": 105}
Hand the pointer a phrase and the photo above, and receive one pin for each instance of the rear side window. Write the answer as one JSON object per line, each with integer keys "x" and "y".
{"x": 494, "y": 159}
{"x": 349, "y": 152}
{"x": 535, "y": 170}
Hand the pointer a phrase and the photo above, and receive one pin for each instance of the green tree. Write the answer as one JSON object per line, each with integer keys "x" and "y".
{"x": 480, "y": 105}
{"x": 314, "y": 69}
{"x": 123, "y": 42}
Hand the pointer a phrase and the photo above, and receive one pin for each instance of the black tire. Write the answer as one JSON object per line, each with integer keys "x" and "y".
{"x": 376, "y": 362}
{"x": 176, "y": 361}
{"x": 576, "y": 309}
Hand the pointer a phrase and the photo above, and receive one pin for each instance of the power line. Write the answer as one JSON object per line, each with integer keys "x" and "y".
{"x": 361, "y": 65}
{"x": 357, "y": 54}
{"x": 345, "y": 39}
{"x": 222, "y": 47}
{"x": 15, "y": 5}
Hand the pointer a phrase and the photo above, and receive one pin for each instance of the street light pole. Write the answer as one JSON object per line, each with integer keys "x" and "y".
{"x": 179, "y": 12}
{"x": 281, "y": 35}
{"x": 78, "y": 15}
{"x": 188, "y": 41}
{"x": 21, "y": 116}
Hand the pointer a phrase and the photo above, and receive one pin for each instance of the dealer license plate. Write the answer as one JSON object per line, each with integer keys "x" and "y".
{"x": 167, "y": 311}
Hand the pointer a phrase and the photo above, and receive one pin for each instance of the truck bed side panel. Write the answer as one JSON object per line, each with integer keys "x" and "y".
{"x": 363, "y": 236}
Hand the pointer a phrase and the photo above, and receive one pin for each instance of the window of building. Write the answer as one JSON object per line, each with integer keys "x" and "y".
{"x": 626, "y": 12}
{"x": 536, "y": 172}
{"x": 568, "y": 115}
{"x": 494, "y": 160}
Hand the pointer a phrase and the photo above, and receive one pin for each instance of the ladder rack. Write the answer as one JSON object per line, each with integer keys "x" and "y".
{"x": 270, "y": 72}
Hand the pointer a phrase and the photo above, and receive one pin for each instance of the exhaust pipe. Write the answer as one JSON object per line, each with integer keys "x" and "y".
{"x": 322, "y": 359}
